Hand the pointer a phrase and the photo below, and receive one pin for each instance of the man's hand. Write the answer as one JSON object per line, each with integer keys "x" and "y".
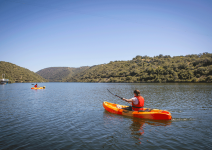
{"x": 124, "y": 99}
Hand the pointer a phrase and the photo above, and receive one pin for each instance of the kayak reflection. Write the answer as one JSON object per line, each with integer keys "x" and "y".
{"x": 136, "y": 125}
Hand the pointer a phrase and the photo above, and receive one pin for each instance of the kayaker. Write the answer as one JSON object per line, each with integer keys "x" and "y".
{"x": 137, "y": 101}
{"x": 36, "y": 85}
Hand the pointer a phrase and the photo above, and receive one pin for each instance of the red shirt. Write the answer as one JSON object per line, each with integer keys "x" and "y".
{"x": 36, "y": 85}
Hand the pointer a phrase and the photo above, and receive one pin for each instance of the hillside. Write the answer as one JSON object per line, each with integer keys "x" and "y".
{"x": 59, "y": 74}
{"x": 189, "y": 68}
{"x": 19, "y": 74}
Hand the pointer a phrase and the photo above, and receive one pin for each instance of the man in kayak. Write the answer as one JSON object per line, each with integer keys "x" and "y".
{"x": 137, "y": 102}
{"x": 36, "y": 85}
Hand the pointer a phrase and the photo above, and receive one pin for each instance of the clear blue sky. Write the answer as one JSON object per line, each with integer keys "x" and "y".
{"x": 37, "y": 34}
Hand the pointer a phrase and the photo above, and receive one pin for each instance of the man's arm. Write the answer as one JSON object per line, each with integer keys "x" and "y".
{"x": 128, "y": 100}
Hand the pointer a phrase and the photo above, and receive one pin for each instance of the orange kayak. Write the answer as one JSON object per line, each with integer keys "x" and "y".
{"x": 147, "y": 113}
{"x": 36, "y": 88}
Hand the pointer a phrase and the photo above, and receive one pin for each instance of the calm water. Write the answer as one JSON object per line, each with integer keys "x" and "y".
{"x": 71, "y": 116}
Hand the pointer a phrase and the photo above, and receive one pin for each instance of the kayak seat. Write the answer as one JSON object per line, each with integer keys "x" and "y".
{"x": 147, "y": 110}
{"x": 128, "y": 108}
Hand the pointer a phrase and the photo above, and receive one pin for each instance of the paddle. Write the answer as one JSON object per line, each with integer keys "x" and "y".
{"x": 115, "y": 95}
{"x": 129, "y": 108}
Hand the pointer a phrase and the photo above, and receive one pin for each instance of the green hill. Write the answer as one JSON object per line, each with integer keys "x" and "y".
{"x": 18, "y": 74}
{"x": 59, "y": 74}
{"x": 189, "y": 68}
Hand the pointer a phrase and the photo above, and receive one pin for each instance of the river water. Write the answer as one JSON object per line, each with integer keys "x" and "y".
{"x": 71, "y": 116}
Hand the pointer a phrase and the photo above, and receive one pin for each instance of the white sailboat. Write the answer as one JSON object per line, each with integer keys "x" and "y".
{"x": 3, "y": 80}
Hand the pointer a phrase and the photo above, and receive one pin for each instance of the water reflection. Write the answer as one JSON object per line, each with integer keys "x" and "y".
{"x": 136, "y": 125}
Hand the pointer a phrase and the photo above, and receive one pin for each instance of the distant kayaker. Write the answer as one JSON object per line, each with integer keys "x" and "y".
{"x": 36, "y": 85}
{"x": 137, "y": 101}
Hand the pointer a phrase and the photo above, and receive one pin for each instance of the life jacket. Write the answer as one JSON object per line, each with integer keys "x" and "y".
{"x": 140, "y": 104}
{"x": 35, "y": 85}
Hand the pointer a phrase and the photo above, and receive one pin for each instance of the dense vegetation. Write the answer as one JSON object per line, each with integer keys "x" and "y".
{"x": 189, "y": 68}
{"x": 18, "y": 74}
{"x": 59, "y": 74}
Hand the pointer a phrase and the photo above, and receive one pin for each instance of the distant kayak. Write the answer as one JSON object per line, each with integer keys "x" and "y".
{"x": 36, "y": 88}
{"x": 147, "y": 113}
